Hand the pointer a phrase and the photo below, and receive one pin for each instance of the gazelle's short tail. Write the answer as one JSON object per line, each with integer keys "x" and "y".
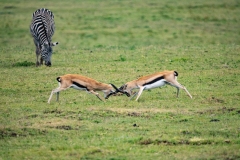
{"x": 59, "y": 79}
{"x": 175, "y": 73}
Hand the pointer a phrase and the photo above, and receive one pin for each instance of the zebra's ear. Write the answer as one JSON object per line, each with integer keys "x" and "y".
{"x": 54, "y": 44}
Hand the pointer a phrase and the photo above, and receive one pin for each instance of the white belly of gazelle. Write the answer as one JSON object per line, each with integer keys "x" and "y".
{"x": 159, "y": 83}
{"x": 77, "y": 87}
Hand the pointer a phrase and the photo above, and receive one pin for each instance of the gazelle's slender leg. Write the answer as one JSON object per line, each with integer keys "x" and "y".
{"x": 57, "y": 90}
{"x": 187, "y": 92}
{"x": 58, "y": 96}
{"x": 99, "y": 97}
{"x": 178, "y": 85}
{"x": 134, "y": 95}
{"x": 140, "y": 91}
{"x": 177, "y": 91}
{"x": 95, "y": 93}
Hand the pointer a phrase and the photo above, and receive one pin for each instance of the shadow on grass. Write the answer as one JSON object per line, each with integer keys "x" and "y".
{"x": 23, "y": 64}
{"x": 21, "y": 132}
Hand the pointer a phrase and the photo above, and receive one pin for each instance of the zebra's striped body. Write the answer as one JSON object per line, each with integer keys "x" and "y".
{"x": 42, "y": 29}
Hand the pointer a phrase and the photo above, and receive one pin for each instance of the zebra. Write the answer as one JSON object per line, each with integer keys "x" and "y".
{"x": 42, "y": 29}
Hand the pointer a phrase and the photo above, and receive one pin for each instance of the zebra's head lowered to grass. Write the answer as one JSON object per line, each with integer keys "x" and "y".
{"x": 42, "y": 29}
{"x": 46, "y": 53}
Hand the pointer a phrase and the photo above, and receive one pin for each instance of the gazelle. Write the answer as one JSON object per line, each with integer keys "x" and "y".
{"x": 153, "y": 81}
{"x": 80, "y": 82}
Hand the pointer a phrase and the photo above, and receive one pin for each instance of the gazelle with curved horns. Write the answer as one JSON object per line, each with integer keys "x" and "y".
{"x": 80, "y": 82}
{"x": 153, "y": 81}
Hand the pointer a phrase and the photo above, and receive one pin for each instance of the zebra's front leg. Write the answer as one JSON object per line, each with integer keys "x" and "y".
{"x": 37, "y": 55}
{"x": 41, "y": 61}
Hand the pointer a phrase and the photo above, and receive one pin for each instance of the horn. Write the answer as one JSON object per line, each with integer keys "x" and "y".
{"x": 112, "y": 92}
{"x": 120, "y": 90}
{"x": 115, "y": 87}
{"x": 109, "y": 95}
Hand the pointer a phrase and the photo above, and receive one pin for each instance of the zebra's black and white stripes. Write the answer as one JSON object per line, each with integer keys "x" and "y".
{"x": 42, "y": 29}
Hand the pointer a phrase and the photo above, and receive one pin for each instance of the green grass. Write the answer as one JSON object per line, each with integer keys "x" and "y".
{"x": 115, "y": 42}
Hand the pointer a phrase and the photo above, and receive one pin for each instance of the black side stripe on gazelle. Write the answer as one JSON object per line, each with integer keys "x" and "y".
{"x": 153, "y": 81}
{"x": 79, "y": 85}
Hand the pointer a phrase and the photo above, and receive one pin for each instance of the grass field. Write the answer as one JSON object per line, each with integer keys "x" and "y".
{"x": 115, "y": 41}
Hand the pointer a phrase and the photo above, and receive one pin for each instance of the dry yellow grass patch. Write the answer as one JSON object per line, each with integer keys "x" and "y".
{"x": 196, "y": 139}
{"x": 142, "y": 110}
{"x": 56, "y": 123}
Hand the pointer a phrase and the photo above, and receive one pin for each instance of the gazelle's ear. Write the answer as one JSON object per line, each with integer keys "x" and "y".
{"x": 54, "y": 43}
{"x": 123, "y": 87}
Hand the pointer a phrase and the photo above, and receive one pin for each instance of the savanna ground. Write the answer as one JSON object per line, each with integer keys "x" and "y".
{"x": 116, "y": 41}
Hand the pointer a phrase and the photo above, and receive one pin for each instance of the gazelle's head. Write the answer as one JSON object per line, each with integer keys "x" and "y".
{"x": 127, "y": 88}
{"x": 46, "y": 52}
{"x": 111, "y": 92}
